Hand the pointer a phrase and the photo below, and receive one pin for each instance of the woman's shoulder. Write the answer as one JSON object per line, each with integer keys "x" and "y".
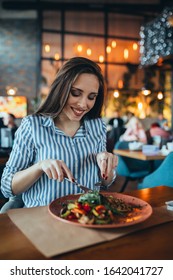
{"x": 97, "y": 121}
{"x": 96, "y": 124}
{"x": 35, "y": 120}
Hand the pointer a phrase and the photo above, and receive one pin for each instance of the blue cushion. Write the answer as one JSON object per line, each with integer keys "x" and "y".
{"x": 129, "y": 167}
{"x": 163, "y": 175}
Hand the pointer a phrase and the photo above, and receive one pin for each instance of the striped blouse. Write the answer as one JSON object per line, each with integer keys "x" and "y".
{"x": 38, "y": 139}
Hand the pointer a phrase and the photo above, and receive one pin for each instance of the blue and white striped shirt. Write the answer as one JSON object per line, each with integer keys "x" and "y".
{"x": 38, "y": 139}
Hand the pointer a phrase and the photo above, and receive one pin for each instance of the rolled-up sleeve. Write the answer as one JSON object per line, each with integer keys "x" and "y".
{"x": 21, "y": 156}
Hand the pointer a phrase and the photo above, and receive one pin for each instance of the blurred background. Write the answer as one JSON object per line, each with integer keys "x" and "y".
{"x": 131, "y": 40}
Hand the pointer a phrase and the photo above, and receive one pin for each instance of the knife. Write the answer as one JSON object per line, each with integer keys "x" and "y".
{"x": 85, "y": 189}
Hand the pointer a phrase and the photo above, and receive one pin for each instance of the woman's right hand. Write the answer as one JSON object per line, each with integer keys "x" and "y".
{"x": 56, "y": 169}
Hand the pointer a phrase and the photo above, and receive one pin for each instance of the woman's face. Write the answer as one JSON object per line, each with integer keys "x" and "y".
{"x": 82, "y": 97}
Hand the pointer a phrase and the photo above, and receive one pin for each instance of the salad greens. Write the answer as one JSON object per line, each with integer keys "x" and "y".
{"x": 95, "y": 208}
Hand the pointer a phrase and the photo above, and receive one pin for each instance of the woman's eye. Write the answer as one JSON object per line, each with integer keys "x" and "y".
{"x": 92, "y": 97}
{"x": 75, "y": 93}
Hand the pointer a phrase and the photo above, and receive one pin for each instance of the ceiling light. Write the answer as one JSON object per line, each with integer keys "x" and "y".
{"x": 11, "y": 90}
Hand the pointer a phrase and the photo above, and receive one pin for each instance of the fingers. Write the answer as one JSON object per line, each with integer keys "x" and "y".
{"x": 115, "y": 161}
{"x": 112, "y": 163}
{"x": 103, "y": 168}
{"x": 56, "y": 169}
{"x": 107, "y": 162}
{"x": 66, "y": 172}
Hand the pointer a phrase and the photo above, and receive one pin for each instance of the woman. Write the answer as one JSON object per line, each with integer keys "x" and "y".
{"x": 134, "y": 131}
{"x": 157, "y": 130}
{"x": 65, "y": 138}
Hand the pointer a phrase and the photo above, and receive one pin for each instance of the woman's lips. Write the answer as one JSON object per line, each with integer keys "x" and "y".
{"x": 78, "y": 112}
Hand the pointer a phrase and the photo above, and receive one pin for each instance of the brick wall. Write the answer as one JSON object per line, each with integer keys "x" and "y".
{"x": 19, "y": 56}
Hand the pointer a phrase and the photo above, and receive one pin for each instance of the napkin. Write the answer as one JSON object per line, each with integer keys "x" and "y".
{"x": 53, "y": 237}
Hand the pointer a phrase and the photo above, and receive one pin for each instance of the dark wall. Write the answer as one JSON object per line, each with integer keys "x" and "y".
{"x": 19, "y": 57}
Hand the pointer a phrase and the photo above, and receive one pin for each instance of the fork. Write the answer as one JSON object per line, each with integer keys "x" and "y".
{"x": 85, "y": 189}
{"x": 100, "y": 187}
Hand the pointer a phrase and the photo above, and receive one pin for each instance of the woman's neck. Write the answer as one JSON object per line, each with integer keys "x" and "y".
{"x": 67, "y": 126}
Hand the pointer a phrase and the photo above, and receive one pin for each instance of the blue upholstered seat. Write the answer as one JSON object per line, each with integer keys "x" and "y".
{"x": 131, "y": 169}
{"x": 13, "y": 202}
{"x": 163, "y": 175}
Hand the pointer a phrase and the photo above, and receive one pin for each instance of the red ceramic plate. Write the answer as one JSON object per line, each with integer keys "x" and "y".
{"x": 141, "y": 215}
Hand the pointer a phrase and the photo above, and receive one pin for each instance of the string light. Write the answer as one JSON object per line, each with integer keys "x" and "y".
{"x": 140, "y": 105}
{"x": 135, "y": 46}
{"x": 56, "y": 56}
{"x": 108, "y": 49}
{"x": 89, "y": 52}
{"x": 113, "y": 44}
{"x": 145, "y": 91}
{"x": 160, "y": 95}
{"x": 47, "y": 48}
{"x": 11, "y": 90}
{"x": 116, "y": 93}
{"x": 126, "y": 53}
{"x": 79, "y": 48}
{"x": 101, "y": 58}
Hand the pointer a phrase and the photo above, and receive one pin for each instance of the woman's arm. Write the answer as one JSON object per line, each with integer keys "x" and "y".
{"x": 22, "y": 170}
{"x": 23, "y": 180}
{"x": 54, "y": 169}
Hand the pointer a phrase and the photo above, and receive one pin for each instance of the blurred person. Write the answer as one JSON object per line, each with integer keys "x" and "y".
{"x": 65, "y": 137}
{"x": 157, "y": 130}
{"x": 134, "y": 131}
{"x": 117, "y": 129}
{"x": 2, "y": 123}
{"x": 116, "y": 120}
{"x": 160, "y": 135}
{"x": 127, "y": 116}
{"x": 163, "y": 122}
{"x": 9, "y": 122}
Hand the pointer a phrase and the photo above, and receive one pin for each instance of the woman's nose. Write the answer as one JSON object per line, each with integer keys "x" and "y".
{"x": 82, "y": 102}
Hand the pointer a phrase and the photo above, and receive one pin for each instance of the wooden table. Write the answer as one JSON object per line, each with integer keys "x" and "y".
{"x": 155, "y": 243}
{"x": 138, "y": 155}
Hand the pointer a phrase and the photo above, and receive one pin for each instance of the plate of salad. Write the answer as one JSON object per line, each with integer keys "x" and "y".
{"x": 100, "y": 209}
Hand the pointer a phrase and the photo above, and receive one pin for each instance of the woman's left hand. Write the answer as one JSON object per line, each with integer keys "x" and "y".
{"x": 107, "y": 162}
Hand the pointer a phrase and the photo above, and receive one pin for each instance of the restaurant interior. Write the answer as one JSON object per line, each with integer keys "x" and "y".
{"x": 131, "y": 40}
{"x": 38, "y": 36}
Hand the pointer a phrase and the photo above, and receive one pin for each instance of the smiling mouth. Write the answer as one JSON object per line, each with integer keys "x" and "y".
{"x": 78, "y": 112}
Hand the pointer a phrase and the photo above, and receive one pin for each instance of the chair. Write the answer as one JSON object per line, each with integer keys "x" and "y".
{"x": 131, "y": 169}
{"x": 1, "y": 171}
{"x": 13, "y": 202}
{"x": 163, "y": 175}
{"x": 113, "y": 137}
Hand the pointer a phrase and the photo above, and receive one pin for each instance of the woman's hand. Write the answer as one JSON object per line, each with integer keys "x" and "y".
{"x": 107, "y": 163}
{"x": 56, "y": 169}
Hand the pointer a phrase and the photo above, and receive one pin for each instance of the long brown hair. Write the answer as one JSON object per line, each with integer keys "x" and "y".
{"x": 65, "y": 78}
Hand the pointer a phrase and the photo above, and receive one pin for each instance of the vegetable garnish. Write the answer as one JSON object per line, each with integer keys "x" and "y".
{"x": 95, "y": 208}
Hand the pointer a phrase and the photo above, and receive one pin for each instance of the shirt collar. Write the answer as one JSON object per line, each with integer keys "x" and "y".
{"x": 48, "y": 121}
